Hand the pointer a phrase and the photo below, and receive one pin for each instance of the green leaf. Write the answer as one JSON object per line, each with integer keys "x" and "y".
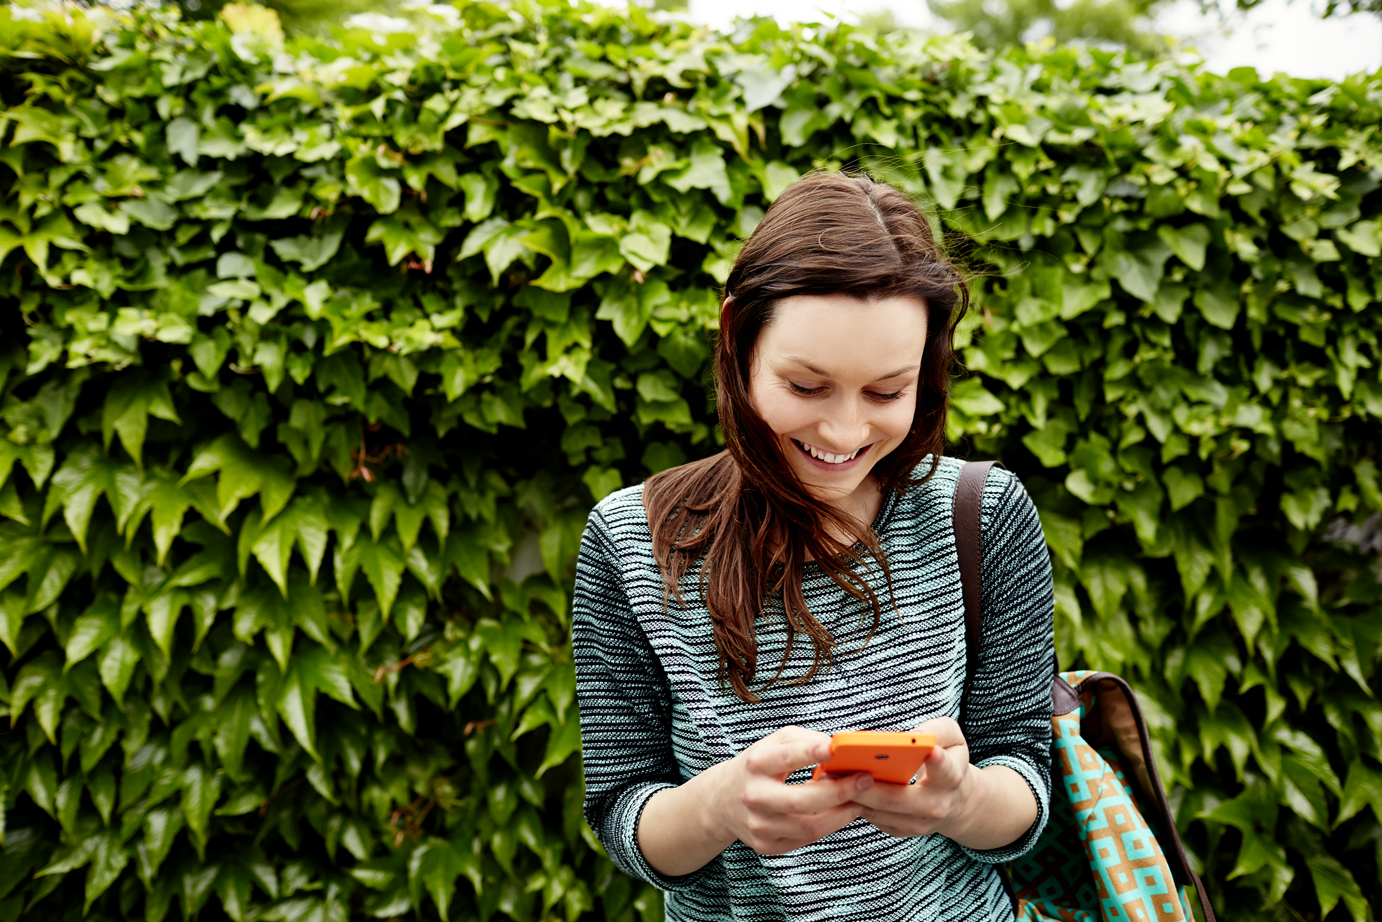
{"x": 434, "y": 866}
{"x": 383, "y": 564}
{"x": 777, "y": 176}
{"x": 973, "y": 399}
{"x": 153, "y": 213}
{"x": 84, "y": 477}
{"x": 410, "y": 613}
{"x": 53, "y": 568}
{"x": 72, "y": 859}
{"x": 706, "y": 170}
{"x": 310, "y": 251}
{"x": 117, "y": 665}
{"x": 648, "y": 248}
{"x": 1183, "y": 487}
{"x": 1106, "y": 579}
{"x": 243, "y": 474}
{"x": 1362, "y": 789}
{"x": 460, "y": 666}
{"x": 297, "y": 706}
{"x": 1363, "y": 238}
{"x": 601, "y": 481}
{"x": 108, "y": 859}
{"x": 1219, "y": 305}
{"x": 42, "y": 781}
{"x": 503, "y": 643}
{"x": 168, "y": 501}
{"x": 1305, "y": 508}
{"x": 365, "y": 178}
{"x": 1333, "y": 883}
{"x": 39, "y": 681}
{"x": 183, "y": 137}
{"x": 479, "y": 195}
{"x": 200, "y": 791}
{"x": 163, "y": 611}
{"x": 92, "y": 629}
{"x": 161, "y": 826}
{"x": 762, "y": 87}
{"x": 1188, "y": 243}
{"x": 561, "y": 744}
{"x": 1138, "y": 271}
{"x": 233, "y": 731}
{"x": 100, "y": 785}
{"x": 1207, "y": 662}
{"x": 1048, "y": 443}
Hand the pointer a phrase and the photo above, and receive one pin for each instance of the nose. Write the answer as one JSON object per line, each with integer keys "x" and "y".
{"x": 844, "y": 427}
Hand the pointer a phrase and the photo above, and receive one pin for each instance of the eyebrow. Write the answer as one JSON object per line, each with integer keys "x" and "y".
{"x": 825, "y": 374}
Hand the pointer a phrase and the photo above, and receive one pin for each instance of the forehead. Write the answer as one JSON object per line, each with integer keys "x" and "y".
{"x": 844, "y": 335}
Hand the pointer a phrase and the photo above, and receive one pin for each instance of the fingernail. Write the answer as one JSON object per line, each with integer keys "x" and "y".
{"x": 863, "y": 782}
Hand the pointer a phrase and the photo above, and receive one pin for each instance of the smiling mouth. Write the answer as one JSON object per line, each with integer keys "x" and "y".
{"x": 827, "y": 457}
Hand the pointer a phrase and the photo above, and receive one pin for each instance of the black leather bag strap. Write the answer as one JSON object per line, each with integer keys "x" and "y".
{"x": 967, "y": 518}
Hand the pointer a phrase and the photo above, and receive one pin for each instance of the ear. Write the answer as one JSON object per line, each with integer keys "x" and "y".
{"x": 725, "y": 306}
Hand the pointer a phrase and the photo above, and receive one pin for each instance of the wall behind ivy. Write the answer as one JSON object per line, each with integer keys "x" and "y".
{"x": 314, "y": 358}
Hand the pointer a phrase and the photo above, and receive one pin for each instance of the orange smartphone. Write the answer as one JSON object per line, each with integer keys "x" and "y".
{"x": 891, "y": 757}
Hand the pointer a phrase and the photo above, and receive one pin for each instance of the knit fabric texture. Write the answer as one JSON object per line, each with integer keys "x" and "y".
{"x": 654, "y": 712}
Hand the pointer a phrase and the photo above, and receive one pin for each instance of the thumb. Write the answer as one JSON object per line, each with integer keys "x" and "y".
{"x": 946, "y": 731}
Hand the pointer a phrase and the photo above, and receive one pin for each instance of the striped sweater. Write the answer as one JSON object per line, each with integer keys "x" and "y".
{"x": 654, "y": 714}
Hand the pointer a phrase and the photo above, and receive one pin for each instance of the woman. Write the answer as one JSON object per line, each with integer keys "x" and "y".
{"x": 732, "y": 613}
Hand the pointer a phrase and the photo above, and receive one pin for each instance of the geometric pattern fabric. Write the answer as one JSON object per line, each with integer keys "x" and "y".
{"x": 1098, "y": 859}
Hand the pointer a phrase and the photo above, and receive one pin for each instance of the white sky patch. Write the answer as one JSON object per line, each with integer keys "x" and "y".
{"x": 1279, "y": 35}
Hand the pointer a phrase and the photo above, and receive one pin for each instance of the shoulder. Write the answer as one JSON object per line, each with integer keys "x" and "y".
{"x": 621, "y": 514}
{"x": 941, "y": 485}
{"x": 935, "y": 496}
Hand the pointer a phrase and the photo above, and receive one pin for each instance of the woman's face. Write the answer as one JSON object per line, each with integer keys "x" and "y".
{"x": 835, "y": 378}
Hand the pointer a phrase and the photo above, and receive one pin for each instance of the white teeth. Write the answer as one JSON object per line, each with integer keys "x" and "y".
{"x": 827, "y": 457}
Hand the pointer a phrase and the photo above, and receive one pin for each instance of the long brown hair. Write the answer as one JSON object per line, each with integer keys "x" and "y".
{"x": 743, "y": 513}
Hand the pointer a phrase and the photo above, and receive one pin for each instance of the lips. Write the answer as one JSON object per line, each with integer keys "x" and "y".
{"x": 830, "y": 460}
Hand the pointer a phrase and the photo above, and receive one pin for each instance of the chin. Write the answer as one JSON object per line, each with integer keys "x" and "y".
{"x": 831, "y": 489}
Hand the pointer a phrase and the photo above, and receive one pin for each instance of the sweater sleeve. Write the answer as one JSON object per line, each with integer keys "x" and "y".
{"x": 1009, "y": 710}
{"x": 625, "y": 707}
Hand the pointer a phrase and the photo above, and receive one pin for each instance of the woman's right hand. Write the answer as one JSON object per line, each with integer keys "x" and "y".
{"x": 748, "y": 799}
{"x": 756, "y": 806}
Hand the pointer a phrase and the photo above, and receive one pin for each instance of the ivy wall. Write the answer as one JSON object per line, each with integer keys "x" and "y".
{"x": 313, "y": 358}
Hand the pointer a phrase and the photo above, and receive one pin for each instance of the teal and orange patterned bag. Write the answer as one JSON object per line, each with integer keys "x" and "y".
{"x": 1110, "y": 851}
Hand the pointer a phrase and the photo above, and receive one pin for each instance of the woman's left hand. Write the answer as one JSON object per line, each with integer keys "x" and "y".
{"x": 941, "y": 799}
{"x": 980, "y": 808}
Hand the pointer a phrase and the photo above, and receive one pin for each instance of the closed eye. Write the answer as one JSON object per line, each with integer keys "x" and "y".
{"x": 813, "y": 391}
{"x": 804, "y": 391}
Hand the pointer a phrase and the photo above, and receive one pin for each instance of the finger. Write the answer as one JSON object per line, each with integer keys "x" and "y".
{"x": 825, "y": 793}
{"x": 944, "y": 768}
{"x": 946, "y": 731}
{"x": 784, "y": 833}
{"x": 898, "y": 825}
{"x": 780, "y": 755}
{"x": 833, "y": 820}
{"x": 890, "y": 798}
{"x": 769, "y": 797}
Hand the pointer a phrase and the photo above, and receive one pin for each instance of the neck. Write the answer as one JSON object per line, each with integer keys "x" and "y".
{"x": 862, "y": 505}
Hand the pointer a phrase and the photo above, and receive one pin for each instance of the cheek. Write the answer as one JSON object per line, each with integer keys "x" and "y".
{"x": 897, "y": 419}
{"x": 782, "y": 412}
{"x": 786, "y": 418}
